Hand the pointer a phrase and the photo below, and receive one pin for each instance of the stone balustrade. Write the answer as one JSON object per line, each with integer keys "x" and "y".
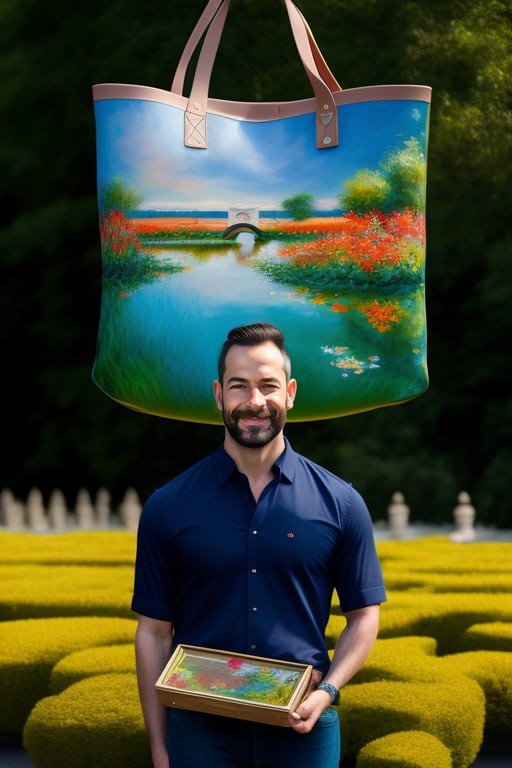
{"x": 88, "y": 514}
{"x": 55, "y": 515}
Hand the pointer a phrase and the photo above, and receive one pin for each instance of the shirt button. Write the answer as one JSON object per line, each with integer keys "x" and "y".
{"x": 255, "y": 533}
{"x": 253, "y": 570}
{"x": 254, "y": 608}
{"x": 253, "y": 647}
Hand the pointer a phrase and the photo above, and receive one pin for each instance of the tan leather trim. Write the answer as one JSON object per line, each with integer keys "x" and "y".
{"x": 264, "y": 111}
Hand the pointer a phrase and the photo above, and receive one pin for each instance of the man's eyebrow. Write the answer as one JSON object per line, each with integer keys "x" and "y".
{"x": 263, "y": 380}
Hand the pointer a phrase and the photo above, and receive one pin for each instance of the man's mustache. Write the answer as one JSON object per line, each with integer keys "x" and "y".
{"x": 250, "y": 413}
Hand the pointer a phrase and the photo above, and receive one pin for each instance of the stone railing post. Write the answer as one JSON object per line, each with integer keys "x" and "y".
{"x": 36, "y": 515}
{"x": 130, "y": 509}
{"x": 57, "y": 510}
{"x": 464, "y": 515}
{"x": 398, "y": 514}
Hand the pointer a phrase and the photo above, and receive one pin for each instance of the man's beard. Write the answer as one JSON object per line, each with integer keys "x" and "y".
{"x": 254, "y": 436}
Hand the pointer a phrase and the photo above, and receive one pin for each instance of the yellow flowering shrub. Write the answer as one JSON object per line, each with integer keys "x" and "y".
{"x": 77, "y": 547}
{"x": 492, "y": 636}
{"x": 445, "y": 616}
{"x": 66, "y": 629}
{"x": 405, "y": 749}
{"x": 91, "y": 661}
{"x": 95, "y": 723}
{"x": 492, "y": 670}
{"x": 34, "y": 591}
{"x": 452, "y": 710}
{"x": 30, "y": 648}
{"x": 400, "y": 658}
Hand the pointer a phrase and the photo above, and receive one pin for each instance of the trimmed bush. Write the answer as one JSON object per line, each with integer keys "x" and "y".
{"x": 444, "y": 616}
{"x": 405, "y": 749}
{"x": 492, "y": 670}
{"x": 78, "y": 547}
{"x": 31, "y": 647}
{"x": 90, "y": 662}
{"x": 40, "y": 591}
{"x": 494, "y": 636}
{"x": 96, "y": 722}
{"x": 399, "y": 658}
{"x": 453, "y": 711}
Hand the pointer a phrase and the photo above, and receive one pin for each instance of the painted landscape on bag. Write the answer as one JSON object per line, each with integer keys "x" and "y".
{"x": 327, "y": 244}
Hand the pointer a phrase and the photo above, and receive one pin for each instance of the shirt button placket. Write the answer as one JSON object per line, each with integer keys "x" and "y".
{"x": 254, "y": 608}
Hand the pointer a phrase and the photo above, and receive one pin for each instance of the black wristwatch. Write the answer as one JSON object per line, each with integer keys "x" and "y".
{"x": 332, "y": 691}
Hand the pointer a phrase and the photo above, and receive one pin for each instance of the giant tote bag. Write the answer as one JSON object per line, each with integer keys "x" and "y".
{"x": 307, "y": 214}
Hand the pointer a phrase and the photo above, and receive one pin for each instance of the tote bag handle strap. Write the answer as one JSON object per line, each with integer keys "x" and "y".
{"x": 202, "y": 25}
{"x": 195, "y": 115}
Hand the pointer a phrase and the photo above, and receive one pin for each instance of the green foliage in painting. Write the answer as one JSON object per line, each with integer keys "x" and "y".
{"x": 398, "y": 185}
{"x": 299, "y": 207}
{"x": 117, "y": 195}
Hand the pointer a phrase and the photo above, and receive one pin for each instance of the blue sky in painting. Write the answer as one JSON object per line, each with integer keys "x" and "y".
{"x": 246, "y": 163}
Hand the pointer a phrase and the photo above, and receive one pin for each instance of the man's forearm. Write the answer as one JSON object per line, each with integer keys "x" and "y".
{"x": 354, "y": 645}
{"x": 152, "y": 653}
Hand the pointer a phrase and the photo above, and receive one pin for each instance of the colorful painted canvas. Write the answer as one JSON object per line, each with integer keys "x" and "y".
{"x": 328, "y": 244}
{"x": 233, "y": 684}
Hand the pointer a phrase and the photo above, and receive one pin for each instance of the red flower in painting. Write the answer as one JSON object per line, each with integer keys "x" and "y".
{"x": 117, "y": 232}
{"x": 176, "y": 681}
{"x": 235, "y": 663}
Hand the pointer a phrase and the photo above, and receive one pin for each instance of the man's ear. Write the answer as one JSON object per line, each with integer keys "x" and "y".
{"x": 291, "y": 391}
{"x": 217, "y": 393}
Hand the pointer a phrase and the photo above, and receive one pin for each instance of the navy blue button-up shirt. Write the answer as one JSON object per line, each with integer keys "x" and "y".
{"x": 255, "y": 577}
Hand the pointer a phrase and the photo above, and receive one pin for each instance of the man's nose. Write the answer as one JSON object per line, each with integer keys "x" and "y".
{"x": 256, "y": 397}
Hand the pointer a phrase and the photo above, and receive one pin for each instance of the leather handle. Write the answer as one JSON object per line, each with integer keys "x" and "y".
{"x": 202, "y": 25}
{"x": 212, "y": 22}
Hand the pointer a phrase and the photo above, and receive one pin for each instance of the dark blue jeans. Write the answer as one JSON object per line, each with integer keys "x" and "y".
{"x": 197, "y": 740}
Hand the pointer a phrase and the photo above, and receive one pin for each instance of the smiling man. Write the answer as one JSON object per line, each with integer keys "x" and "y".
{"x": 242, "y": 553}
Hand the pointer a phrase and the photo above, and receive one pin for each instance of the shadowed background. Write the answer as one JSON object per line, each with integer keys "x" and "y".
{"x": 61, "y": 431}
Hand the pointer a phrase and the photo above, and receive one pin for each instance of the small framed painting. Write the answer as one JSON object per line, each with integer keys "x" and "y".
{"x": 233, "y": 684}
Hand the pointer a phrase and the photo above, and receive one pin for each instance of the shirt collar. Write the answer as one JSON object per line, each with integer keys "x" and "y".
{"x": 285, "y": 465}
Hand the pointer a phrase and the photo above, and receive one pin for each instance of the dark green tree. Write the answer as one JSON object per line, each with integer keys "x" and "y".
{"x": 300, "y": 207}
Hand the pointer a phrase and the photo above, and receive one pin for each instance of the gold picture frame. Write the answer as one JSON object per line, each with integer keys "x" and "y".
{"x": 233, "y": 684}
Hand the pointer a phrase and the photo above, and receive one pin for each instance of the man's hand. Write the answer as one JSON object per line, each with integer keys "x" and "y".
{"x": 309, "y": 710}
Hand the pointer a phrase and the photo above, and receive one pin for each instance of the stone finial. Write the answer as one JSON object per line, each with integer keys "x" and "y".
{"x": 12, "y": 510}
{"x": 464, "y": 517}
{"x": 84, "y": 510}
{"x": 130, "y": 509}
{"x": 57, "y": 510}
{"x": 398, "y": 513}
{"x": 36, "y": 515}
{"x": 102, "y": 508}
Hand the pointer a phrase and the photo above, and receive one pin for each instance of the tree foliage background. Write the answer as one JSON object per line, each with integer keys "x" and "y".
{"x": 61, "y": 431}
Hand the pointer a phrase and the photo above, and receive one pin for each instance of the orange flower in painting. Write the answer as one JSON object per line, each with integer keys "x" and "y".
{"x": 383, "y": 316}
{"x": 337, "y": 307}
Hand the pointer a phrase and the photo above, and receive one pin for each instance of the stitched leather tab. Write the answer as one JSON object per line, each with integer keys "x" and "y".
{"x": 327, "y": 130}
{"x": 195, "y": 130}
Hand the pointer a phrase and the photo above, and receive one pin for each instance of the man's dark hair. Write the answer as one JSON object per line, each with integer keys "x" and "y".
{"x": 251, "y": 336}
